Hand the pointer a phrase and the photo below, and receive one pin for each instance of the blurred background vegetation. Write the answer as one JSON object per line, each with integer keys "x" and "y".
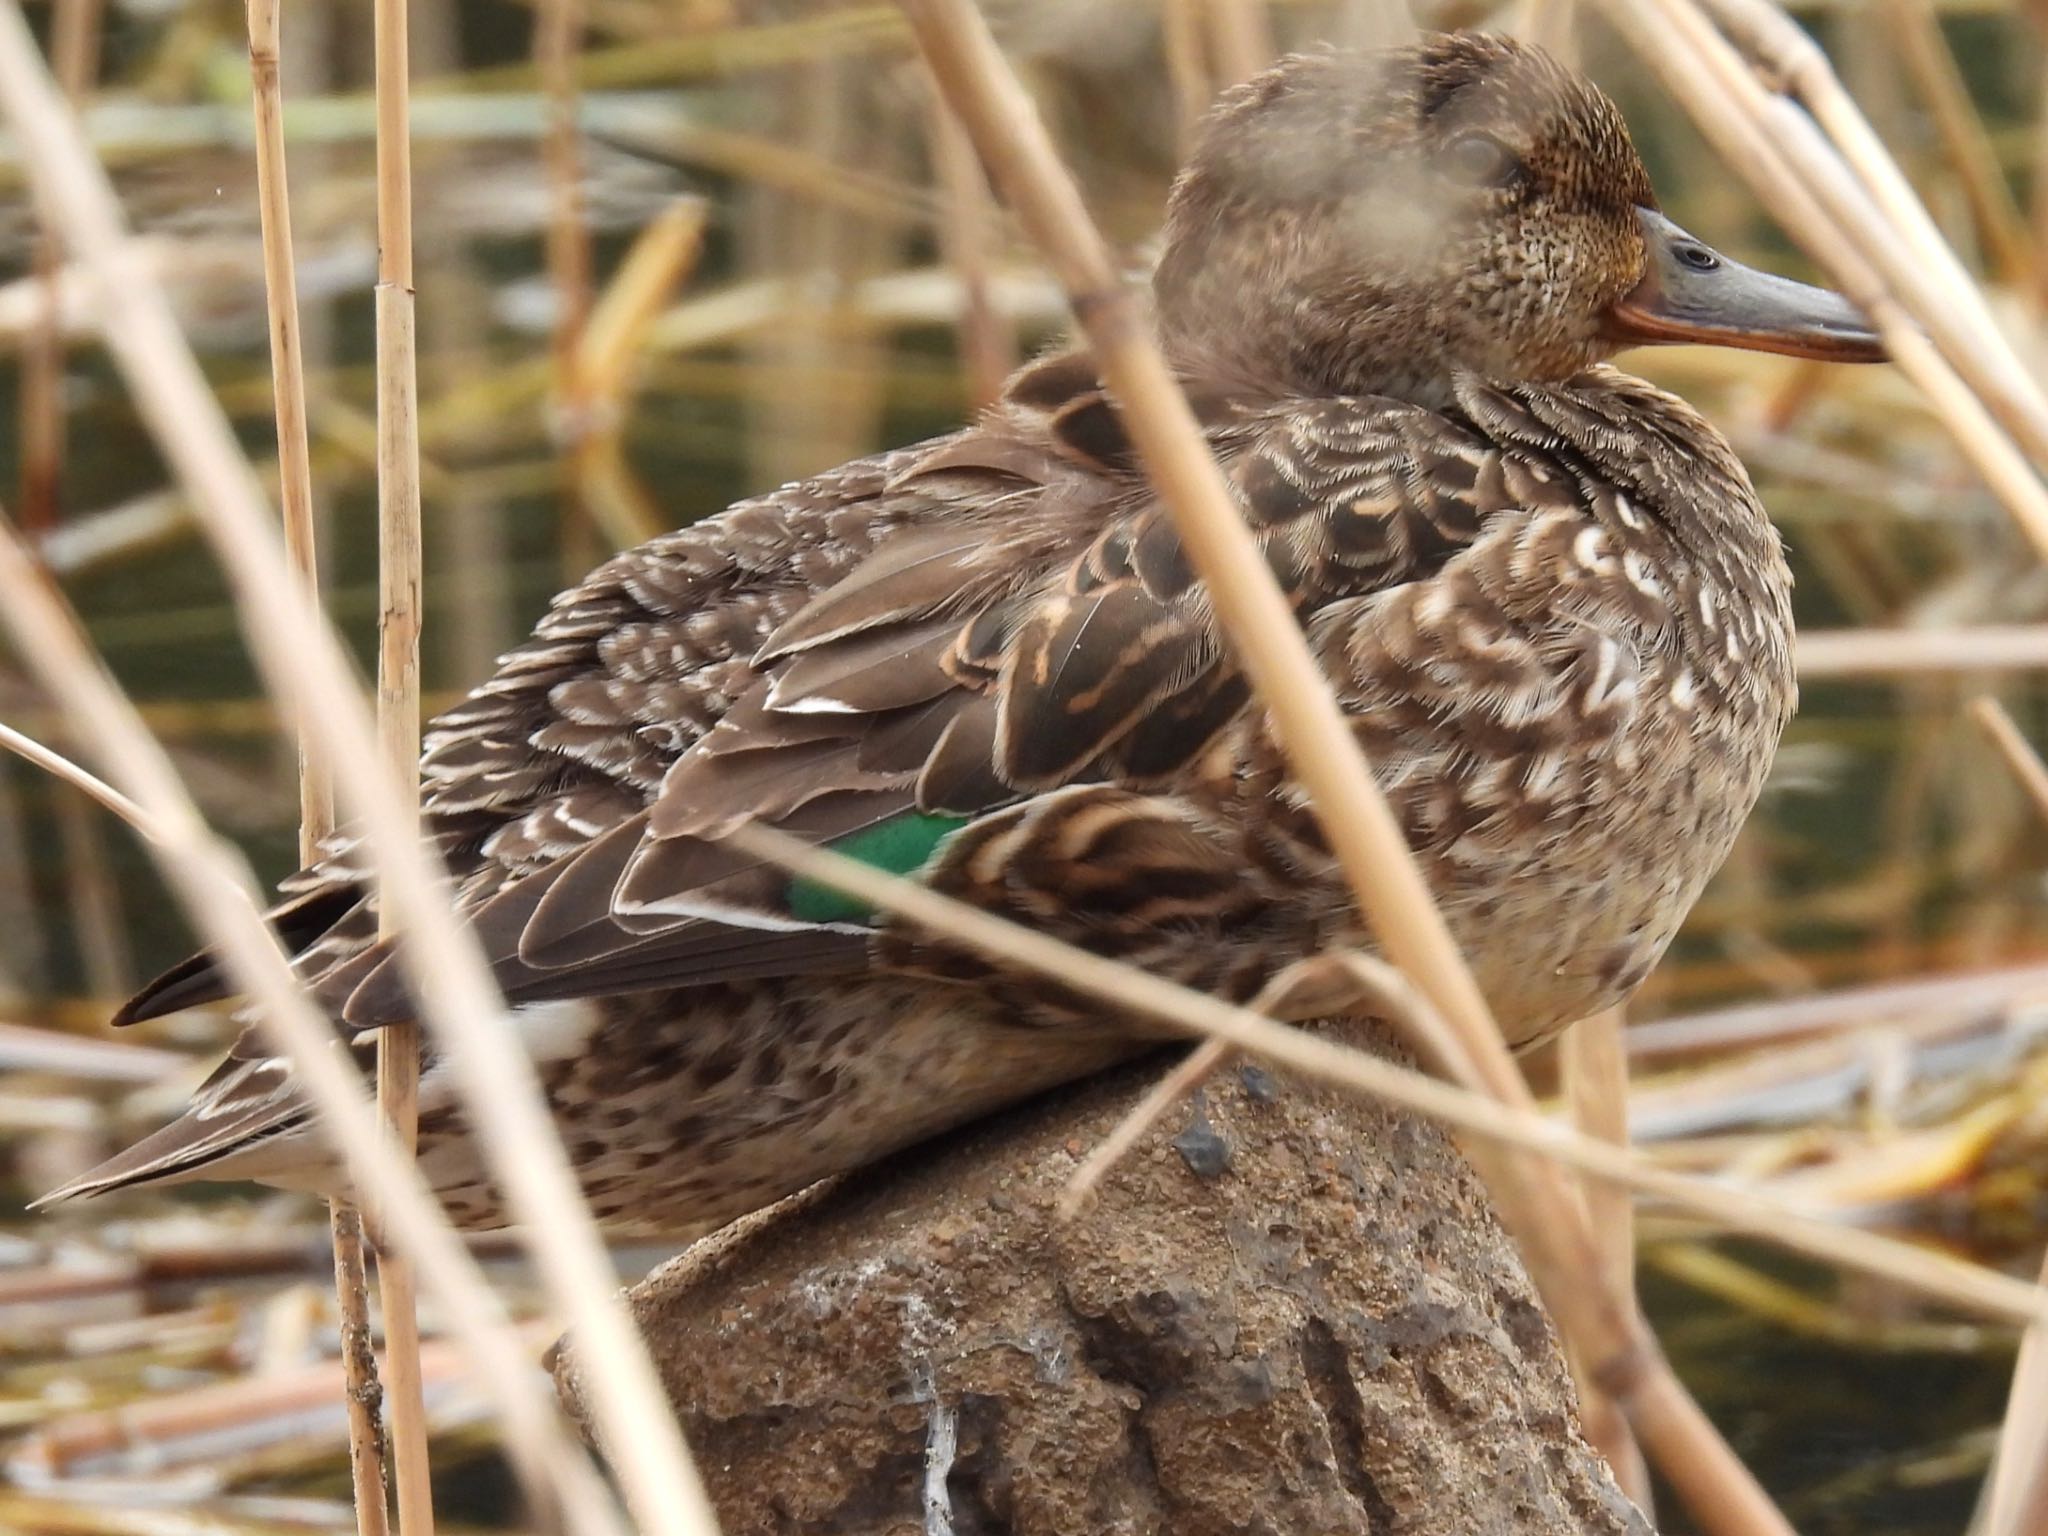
{"x": 806, "y": 270}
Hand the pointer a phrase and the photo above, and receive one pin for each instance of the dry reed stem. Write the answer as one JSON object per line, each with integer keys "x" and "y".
{"x": 1896, "y": 235}
{"x": 362, "y": 1390}
{"x": 58, "y": 1447}
{"x": 219, "y": 893}
{"x": 101, "y": 942}
{"x": 59, "y": 766}
{"x": 1550, "y": 24}
{"x": 1187, "y": 66}
{"x": 1953, "y": 1282}
{"x": 557, "y": 39}
{"x": 1992, "y": 719}
{"x": 662, "y": 257}
{"x": 398, "y": 707}
{"x": 91, "y": 901}
{"x": 2037, "y": 206}
{"x": 41, "y": 412}
{"x": 1240, "y": 39}
{"x": 1993, "y": 208}
{"x": 2017, "y": 1497}
{"x": 74, "y": 59}
{"x": 1593, "y": 1057}
{"x": 558, "y": 35}
{"x": 1188, "y": 1074}
{"x": 1842, "y": 653}
{"x": 1537, "y": 1202}
{"x": 1746, "y": 1026}
{"x": 603, "y": 370}
{"x": 288, "y": 369}
{"x": 73, "y": 50}
{"x": 1314, "y": 988}
{"x": 1319, "y": 987}
{"x": 305, "y": 668}
{"x": 1777, "y": 148}
{"x": 967, "y": 235}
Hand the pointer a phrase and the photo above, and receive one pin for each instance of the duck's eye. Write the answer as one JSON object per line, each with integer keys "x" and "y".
{"x": 1480, "y": 160}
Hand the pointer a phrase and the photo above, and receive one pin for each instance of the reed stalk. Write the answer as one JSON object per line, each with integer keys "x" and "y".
{"x": 1874, "y": 206}
{"x": 288, "y": 370}
{"x": 74, "y": 60}
{"x": 1916, "y": 28}
{"x": 2016, "y": 1500}
{"x": 305, "y": 667}
{"x": 967, "y": 231}
{"x": 1240, "y": 38}
{"x": 95, "y": 919}
{"x": 1778, "y": 1021}
{"x": 605, "y": 368}
{"x": 398, "y": 707}
{"x": 1308, "y": 990}
{"x": 1550, "y": 24}
{"x": 362, "y": 1389}
{"x": 1901, "y": 653}
{"x": 1186, "y": 51}
{"x": 59, "y": 766}
{"x": 557, "y": 39}
{"x": 1188, "y": 1074}
{"x": 1593, "y": 1063}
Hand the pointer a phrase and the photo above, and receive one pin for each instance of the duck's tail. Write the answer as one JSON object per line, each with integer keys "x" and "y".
{"x": 246, "y": 1122}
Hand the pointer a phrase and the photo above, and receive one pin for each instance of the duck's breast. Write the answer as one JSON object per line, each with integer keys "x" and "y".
{"x": 1575, "y": 714}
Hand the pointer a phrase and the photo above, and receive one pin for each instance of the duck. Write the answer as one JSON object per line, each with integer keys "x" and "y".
{"x": 1544, "y": 591}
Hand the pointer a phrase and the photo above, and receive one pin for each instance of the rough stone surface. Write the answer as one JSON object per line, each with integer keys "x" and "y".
{"x": 1290, "y": 1311}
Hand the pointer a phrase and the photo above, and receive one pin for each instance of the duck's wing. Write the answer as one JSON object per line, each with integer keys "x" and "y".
{"x": 571, "y": 737}
{"x": 581, "y": 721}
{"x": 1022, "y": 694}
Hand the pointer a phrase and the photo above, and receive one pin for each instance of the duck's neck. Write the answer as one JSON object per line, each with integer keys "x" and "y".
{"x": 1312, "y": 367}
{"x": 1236, "y": 318}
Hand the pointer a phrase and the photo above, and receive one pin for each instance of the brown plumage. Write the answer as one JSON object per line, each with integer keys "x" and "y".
{"x": 1543, "y": 590}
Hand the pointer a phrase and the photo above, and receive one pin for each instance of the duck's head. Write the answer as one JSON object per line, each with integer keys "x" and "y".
{"x": 1380, "y": 222}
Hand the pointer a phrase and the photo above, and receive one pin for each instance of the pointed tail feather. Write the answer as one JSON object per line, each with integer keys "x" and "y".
{"x": 248, "y": 1125}
{"x": 197, "y": 980}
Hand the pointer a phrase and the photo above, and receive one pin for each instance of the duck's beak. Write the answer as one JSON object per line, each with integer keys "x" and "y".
{"x": 1691, "y": 292}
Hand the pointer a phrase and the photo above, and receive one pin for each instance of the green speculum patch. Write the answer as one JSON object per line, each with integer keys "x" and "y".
{"x": 901, "y": 846}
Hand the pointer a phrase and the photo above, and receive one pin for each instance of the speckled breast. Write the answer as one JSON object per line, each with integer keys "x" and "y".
{"x": 1575, "y": 715}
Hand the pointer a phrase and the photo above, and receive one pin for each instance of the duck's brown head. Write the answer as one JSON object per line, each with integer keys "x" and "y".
{"x": 1380, "y": 222}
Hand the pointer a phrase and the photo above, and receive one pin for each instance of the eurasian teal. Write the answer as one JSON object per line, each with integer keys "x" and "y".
{"x": 1544, "y": 591}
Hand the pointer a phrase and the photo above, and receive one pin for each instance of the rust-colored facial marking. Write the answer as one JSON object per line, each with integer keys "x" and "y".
{"x": 1375, "y": 223}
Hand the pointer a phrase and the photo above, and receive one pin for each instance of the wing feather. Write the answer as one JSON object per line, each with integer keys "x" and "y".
{"x": 961, "y": 630}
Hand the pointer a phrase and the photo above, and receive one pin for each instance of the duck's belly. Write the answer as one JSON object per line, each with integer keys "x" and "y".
{"x": 1562, "y": 925}
{"x": 681, "y": 1111}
